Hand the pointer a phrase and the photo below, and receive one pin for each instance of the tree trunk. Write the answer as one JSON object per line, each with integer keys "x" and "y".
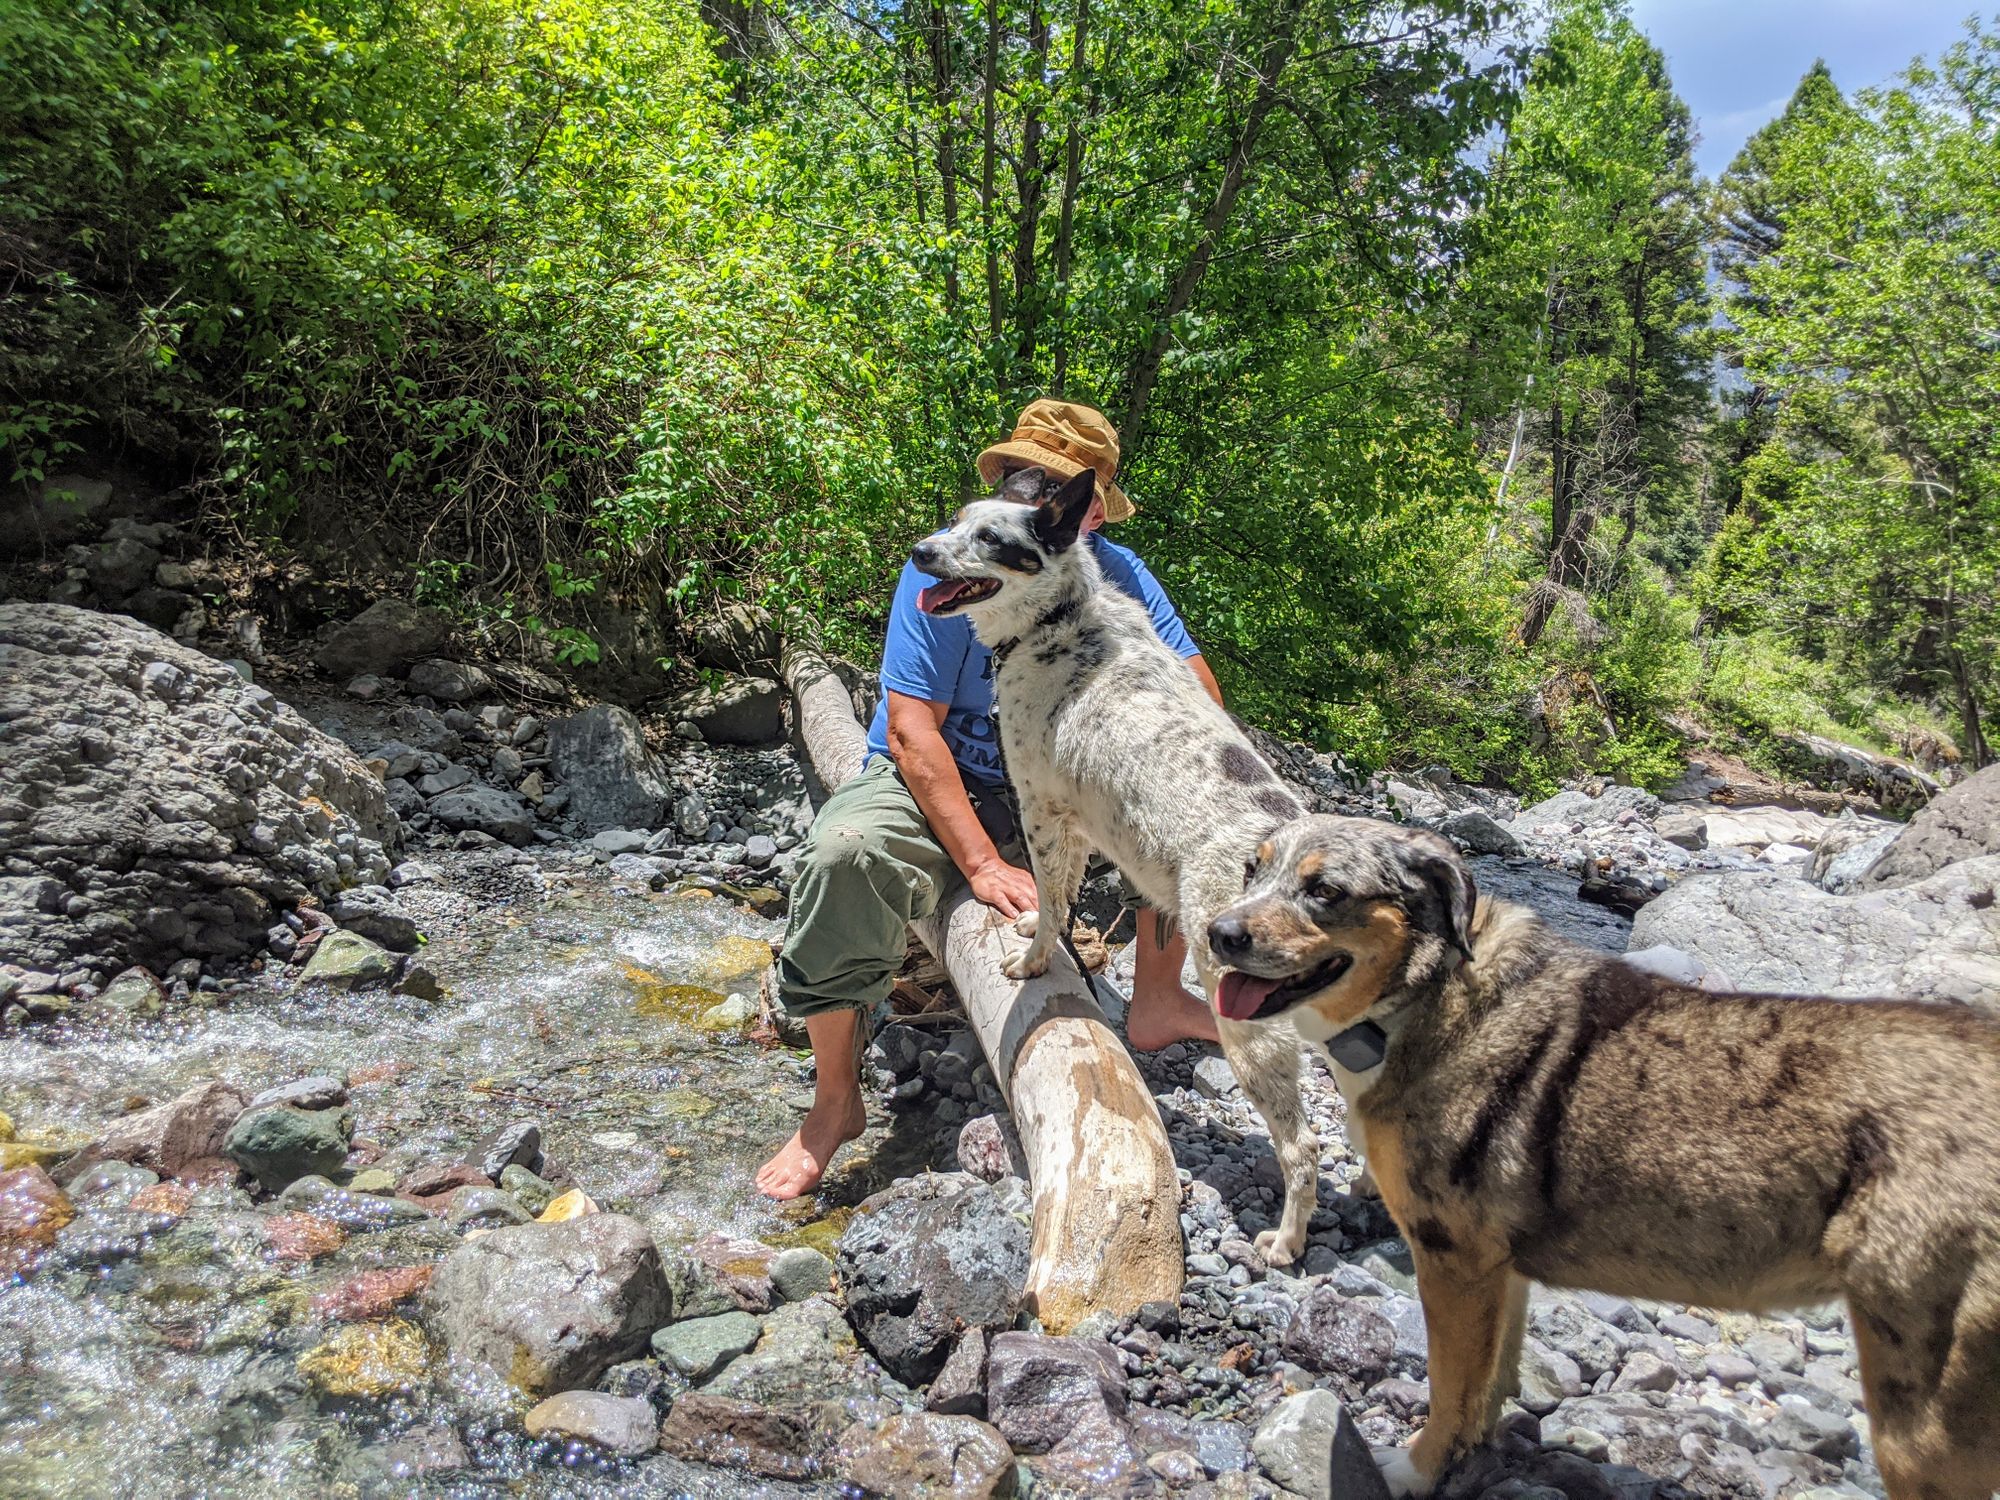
{"x": 1107, "y": 1202}
{"x": 1029, "y": 185}
{"x": 989, "y": 76}
{"x": 1072, "y": 178}
{"x": 939, "y": 37}
{"x": 1146, "y": 372}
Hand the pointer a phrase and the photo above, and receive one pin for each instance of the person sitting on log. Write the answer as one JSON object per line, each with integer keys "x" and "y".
{"x": 933, "y": 805}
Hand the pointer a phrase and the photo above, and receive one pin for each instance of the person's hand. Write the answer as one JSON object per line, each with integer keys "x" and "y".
{"x": 1008, "y": 889}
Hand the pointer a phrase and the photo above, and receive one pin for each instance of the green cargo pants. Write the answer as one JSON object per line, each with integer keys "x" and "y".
{"x": 869, "y": 868}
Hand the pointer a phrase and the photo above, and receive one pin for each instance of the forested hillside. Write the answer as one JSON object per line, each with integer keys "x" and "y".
{"x": 1466, "y": 422}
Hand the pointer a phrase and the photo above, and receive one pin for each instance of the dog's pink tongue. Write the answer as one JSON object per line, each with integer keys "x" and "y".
{"x": 1239, "y": 994}
{"x": 939, "y": 593}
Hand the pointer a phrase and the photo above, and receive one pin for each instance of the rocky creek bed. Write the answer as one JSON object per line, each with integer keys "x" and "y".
{"x": 432, "y": 1172}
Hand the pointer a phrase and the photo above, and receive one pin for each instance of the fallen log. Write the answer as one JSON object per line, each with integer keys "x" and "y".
{"x": 1107, "y": 1203}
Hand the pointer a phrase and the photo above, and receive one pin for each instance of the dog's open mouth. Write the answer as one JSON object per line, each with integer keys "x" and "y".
{"x": 1250, "y": 997}
{"x": 951, "y": 594}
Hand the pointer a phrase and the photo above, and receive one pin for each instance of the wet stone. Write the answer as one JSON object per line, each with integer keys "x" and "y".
{"x": 321, "y": 1091}
{"x": 280, "y": 1144}
{"x": 355, "y": 1212}
{"x": 924, "y": 1454}
{"x": 518, "y": 1143}
{"x": 800, "y": 1272}
{"x": 621, "y": 1425}
{"x": 697, "y": 1348}
{"x": 369, "y": 1360}
{"x": 960, "y": 1387}
{"x": 737, "y": 1434}
{"x": 484, "y": 1208}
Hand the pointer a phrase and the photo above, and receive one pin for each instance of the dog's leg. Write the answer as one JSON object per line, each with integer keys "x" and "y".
{"x": 1507, "y": 1370}
{"x": 1466, "y": 1311}
{"x": 1934, "y": 1438}
{"x": 1058, "y": 856}
{"x": 1265, "y": 1059}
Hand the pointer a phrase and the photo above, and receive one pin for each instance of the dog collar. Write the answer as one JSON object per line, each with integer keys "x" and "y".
{"x": 1360, "y": 1047}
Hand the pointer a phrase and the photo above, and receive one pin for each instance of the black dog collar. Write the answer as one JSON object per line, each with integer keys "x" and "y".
{"x": 1361, "y": 1047}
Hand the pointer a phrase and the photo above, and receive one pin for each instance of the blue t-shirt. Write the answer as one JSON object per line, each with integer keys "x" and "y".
{"x": 942, "y": 661}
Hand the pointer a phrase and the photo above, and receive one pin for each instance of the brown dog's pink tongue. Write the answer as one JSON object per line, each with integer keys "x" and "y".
{"x": 1239, "y": 994}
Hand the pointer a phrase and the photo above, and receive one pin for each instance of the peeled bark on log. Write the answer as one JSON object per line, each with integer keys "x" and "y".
{"x": 1107, "y": 1202}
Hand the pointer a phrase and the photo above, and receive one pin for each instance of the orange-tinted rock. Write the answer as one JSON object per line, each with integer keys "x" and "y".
{"x": 210, "y": 1171}
{"x": 32, "y": 1208}
{"x": 372, "y": 1294}
{"x": 169, "y": 1198}
{"x": 301, "y": 1237}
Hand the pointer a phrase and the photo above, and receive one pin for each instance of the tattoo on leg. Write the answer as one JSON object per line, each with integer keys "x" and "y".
{"x": 1165, "y": 929}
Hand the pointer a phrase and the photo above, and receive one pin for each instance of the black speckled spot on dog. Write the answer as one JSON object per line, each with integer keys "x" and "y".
{"x": 1240, "y": 763}
{"x": 1063, "y": 610}
{"x": 1015, "y": 557}
{"x": 1279, "y": 804}
{"x": 1433, "y": 1236}
{"x": 1048, "y": 656}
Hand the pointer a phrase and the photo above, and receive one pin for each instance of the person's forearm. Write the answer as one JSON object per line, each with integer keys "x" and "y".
{"x": 1207, "y": 679}
{"x": 932, "y": 777}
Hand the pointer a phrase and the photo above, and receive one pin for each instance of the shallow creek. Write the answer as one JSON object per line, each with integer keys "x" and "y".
{"x": 146, "y": 1357}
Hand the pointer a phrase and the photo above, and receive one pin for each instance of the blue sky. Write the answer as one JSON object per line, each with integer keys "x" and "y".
{"x": 1736, "y": 61}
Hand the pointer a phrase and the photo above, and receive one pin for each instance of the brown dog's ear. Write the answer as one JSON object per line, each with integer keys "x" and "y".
{"x": 1060, "y": 518}
{"x": 1437, "y": 867}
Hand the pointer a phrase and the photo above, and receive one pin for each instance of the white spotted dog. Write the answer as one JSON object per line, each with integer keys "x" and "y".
{"x": 1112, "y": 744}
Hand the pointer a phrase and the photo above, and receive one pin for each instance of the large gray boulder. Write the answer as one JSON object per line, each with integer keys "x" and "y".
{"x": 1566, "y": 808}
{"x": 551, "y": 1306}
{"x": 384, "y": 638}
{"x": 736, "y": 711}
{"x": 614, "y": 781}
{"x": 1964, "y": 823}
{"x": 154, "y": 806}
{"x": 1936, "y": 940}
{"x": 916, "y": 1270}
{"x": 485, "y": 809}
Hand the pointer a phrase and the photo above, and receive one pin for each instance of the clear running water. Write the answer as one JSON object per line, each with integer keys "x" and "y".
{"x": 144, "y": 1358}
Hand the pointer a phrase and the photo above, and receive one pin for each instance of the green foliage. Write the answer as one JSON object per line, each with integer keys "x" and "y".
{"x": 592, "y": 305}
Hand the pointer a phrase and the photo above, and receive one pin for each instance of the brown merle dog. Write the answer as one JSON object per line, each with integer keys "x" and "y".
{"x": 1535, "y": 1110}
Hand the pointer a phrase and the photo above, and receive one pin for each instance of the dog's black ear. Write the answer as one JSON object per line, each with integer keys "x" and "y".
{"x": 1060, "y": 518}
{"x": 1022, "y": 487}
{"x": 1436, "y": 865}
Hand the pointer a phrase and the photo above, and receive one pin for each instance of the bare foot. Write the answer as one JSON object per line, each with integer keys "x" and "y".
{"x": 1160, "y": 1017}
{"x": 802, "y": 1161}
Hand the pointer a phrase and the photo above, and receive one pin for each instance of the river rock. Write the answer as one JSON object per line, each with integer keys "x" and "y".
{"x": 1040, "y": 1390}
{"x": 487, "y": 810}
{"x": 1849, "y": 851}
{"x": 483, "y": 1208}
{"x": 737, "y": 711}
{"x": 807, "y": 1361}
{"x": 989, "y": 1149}
{"x": 1963, "y": 823}
{"x": 449, "y": 681}
{"x": 551, "y": 1306}
{"x": 280, "y": 1144}
{"x": 348, "y": 961}
{"x": 1567, "y": 808}
{"x": 916, "y": 1270}
{"x": 133, "y": 993}
{"x": 1938, "y": 939}
{"x": 375, "y": 913}
{"x": 383, "y": 638}
{"x": 736, "y": 637}
{"x": 623, "y": 1426}
{"x": 925, "y": 1456}
{"x": 185, "y": 806}
{"x": 1341, "y": 1336}
{"x": 168, "y": 1137}
{"x": 1309, "y": 1445}
{"x": 518, "y": 1143}
{"x": 320, "y": 1091}
{"x": 614, "y": 780}
{"x": 697, "y": 1347}
{"x": 798, "y": 1273}
{"x": 369, "y": 1360}
{"x": 737, "y": 1434}
{"x": 1476, "y": 829}
{"x": 33, "y": 1209}
{"x": 718, "y": 1273}
{"x": 960, "y": 1387}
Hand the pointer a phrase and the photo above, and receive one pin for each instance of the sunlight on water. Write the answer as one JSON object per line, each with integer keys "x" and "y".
{"x": 146, "y": 1357}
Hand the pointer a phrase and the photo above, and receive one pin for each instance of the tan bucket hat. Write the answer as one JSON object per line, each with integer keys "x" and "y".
{"x": 1064, "y": 439}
